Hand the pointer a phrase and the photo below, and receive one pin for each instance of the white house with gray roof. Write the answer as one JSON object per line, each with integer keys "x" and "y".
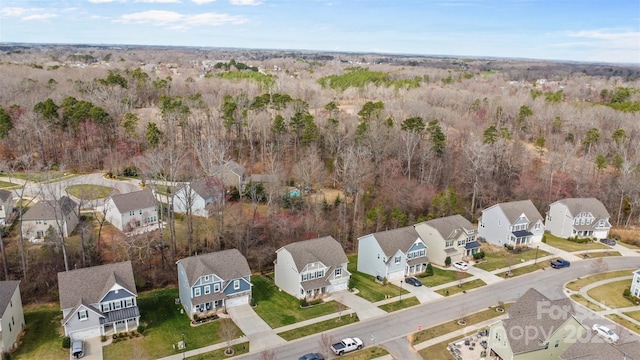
{"x": 392, "y": 254}
{"x": 450, "y": 236}
{"x": 200, "y": 197}
{"x": 98, "y": 300}
{"x": 312, "y": 268}
{"x": 131, "y": 211}
{"x": 12, "y": 320}
{"x": 213, "y": 282}
{"x": 635, "y": 284}
{"x": 59, "y": 215}
{"x": 578, "y": 217}
{"x": 514, "y": 223}
{"x": 6, "y": 205}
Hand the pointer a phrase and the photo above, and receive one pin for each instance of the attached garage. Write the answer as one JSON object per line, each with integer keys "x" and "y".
{"x": 235, "y": 301}
{"x": 85, "y": 334}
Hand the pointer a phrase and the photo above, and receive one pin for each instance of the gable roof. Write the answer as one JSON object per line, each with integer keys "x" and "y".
{"x": 578, "y": 205}
{"x": 5, "y": 195}
{"x": 589, "y": 350}
{"x": 513, "y": 209}
{"x": 325, "y": 249}
{"x": 89, "y": 285}
{"x": 208, "y": 187}
{"x": 230, "y": 165}
{"x": 7, "y": 288}
{"x": 50, "y": 209}
{"x": 450, "y": 226}
{"x": 396, "y": 239}
{"x": 142, "y": 199}
{"x": 227, "y": 264}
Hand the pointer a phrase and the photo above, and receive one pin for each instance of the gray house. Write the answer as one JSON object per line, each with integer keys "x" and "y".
{"x": 231, "y": 173}
{"x": 392, "y": 254}
{"x": 59, "y": 215}
{"x": 312, "y": 268}
{"x": 12, "y": 320}
{"x": 514, "y": 223}
{"x": 131, "y": 211}
{"x": 98, "y": 300}
{"x": 212, "y": 282}
{"x": 581, "y": 217}
{"x": 449, "y": 236}
{"x": 6, "y": 205}
{"x": 201, "y": 197}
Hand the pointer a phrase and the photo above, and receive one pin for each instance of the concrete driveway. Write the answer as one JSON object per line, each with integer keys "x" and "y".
{"x": 422, "y": 293}
{"x": 92, "y": 349}
{"x": 259, "y": 333}
{"x": 362, "y": 307}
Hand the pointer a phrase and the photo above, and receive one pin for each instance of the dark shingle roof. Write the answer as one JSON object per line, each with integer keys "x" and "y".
{"x": 592, "y": 205}
{"x": 50, "y": 210}
{"x": 451, "y": 226}
{"x": 396, "y": 239}
{"x": 325, "y": 249}
{"x": 208, "y": 187}
{"x": 600, "y": 350}
{"x": 90, "y": 284}
{"x": 514, "y": 209}
{"x": 227, "y": 264}
{"x": 7, "y": 288}
{"x": 134, "y": 201}
{"x": 5, "y": 195}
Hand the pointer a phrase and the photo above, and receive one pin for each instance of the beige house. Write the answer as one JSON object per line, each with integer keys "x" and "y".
{"x": 59, "y": 215}
{"x": 231, "y": 174}
{"x": 537, "y": 328}
{"x": 12, "y": 321}
{"x": 450, "y": 236}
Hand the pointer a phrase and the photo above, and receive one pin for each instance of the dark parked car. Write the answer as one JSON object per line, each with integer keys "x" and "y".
{"x": 609, "y": 242}
{"x": 412, "y": 281}
{"x": 312, "y": 356}
{"x": 560, "y": 263}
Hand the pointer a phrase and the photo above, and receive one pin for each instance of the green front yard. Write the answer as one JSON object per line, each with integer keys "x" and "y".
{"x": 277, "y": 308}
{"x": 368, "y": 287}
{"x": 442, "y": 276}
{"x": 401, "y": 304}
{"x": 610, "y": 294}
{"x": 571, "y": 246}
{"x": 500, "y": 258}
{"x": 580, "y": 283}
{"x": 526, "y": 269}
{"x": 42, "y": 339}
{"x": 462, "y": 288}
{"x": 319, "y": 327}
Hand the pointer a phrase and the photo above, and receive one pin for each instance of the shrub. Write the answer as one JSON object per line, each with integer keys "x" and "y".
{"x": 626, "y": 293}
{"x": 141, "y": 329}
{"x": 447, "y": 261}
{"x": 479, "y": 255}
{"x": 103, "y": 338}
{"x": 303, "y": 302}
{"x": 114, "y": 336}
{"x": 352, "y": 283}
{"x": 544, "y": 239}
{"x": 66, "y": 342}
{"x": 384, "y": 281}
{"x": 6, "y": 356}
{"x": 429, "y": 271}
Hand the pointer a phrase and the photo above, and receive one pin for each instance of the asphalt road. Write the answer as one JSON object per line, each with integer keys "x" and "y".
{"x": 398, "y": 324}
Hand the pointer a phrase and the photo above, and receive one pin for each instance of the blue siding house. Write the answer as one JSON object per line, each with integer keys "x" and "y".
{"x": 213, "y": 282}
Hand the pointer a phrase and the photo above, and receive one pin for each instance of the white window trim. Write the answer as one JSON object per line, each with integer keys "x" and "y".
{"x": 236, "y": 284}
{"x": 196, "y": 292}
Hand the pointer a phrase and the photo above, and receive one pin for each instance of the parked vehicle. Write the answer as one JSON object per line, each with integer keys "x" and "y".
{"x": 610, "y": 242}
{"x": 461, "y": 265}
{"x": 346, "y": 345}
{"x": 605, "y": 332}
{"x": 77, "y": 349}
{"x": 312, "y": 356}
{"x": 412, "y": 281}
{"x": 560, "y": 263}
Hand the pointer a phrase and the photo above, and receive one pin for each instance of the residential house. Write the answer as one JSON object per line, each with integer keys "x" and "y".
{"x": 392, "y": 254}
{"x": 312, "y": 268}
{"x": 6, "y": 205}
{"x": 132, "y": 210}
{"x": 451, "y": 236}
{"x": 60, "y": 216}
{"x": 212, "y": 282}
{"x": 536, "y": 328}
{"x": 635, "y": 283}
{"x": 12, "y": 320}
{"x": 515, "y": 223}
{"x": 578, "y": 217}
{"x": 599, "y": 350}
{"x": 200, "y": 197}
{"x": 98, "y": 300}
{"x": 231, "y": 173}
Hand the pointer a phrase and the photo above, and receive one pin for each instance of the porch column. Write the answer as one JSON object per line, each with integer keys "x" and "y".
{"x": 126, "y": 325}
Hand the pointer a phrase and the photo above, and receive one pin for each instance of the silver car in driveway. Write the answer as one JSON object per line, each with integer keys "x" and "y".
{"x": 77, "y": 349}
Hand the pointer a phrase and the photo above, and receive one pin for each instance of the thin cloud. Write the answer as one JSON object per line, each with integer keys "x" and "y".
{"x": 104, "y": 1}
{"x": 245, "y": 2}
{"x": 39, "y": 17}
{"x": 200, "y": 2}
{"x": 602, "y": 35}
{"x": 181, "y": 21}
{"x": 12, "y": 11}
{"x": 159, "y": 1}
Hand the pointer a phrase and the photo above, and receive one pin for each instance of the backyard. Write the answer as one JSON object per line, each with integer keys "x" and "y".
{"x": 42, "y": 339}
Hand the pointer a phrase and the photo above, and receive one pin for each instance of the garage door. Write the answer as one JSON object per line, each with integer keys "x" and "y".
{"x": 396, "y": 274}
{"x": 85, "y": 334}
{"x": 240, "y": 300}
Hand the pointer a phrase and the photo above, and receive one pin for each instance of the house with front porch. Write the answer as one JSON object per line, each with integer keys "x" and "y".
{"x": 635, "y": 284}
{"x": 98, "y": 300}
{"x": 392, "y": 254}
{"x": 450, "y": 236}
{"x": 131, "y": 211}
{"x": 578, "y": 217}
{"x": 61, "y": 216}
{"x": 12, "y": 316}
{"x": 6, "y": 205}
{"x": 213, "y": 282}
{"x": 202, "y": 198}
{"x": 515, "y": 223}
{"x": 312, "y": 268}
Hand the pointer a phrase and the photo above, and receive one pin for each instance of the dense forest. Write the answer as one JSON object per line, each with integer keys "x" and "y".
{"x": 401, "y": 139}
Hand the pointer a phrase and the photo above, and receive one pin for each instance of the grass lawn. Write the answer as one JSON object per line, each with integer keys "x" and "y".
{"x": 368, "y": 288}
{"x": 399, "y": 305}
{"x": 442, "y": 276}
{"x": 576, "y": 285}
{"x": 238, "y": 349}
{"x": 601, "y": 254}
{"x": 498, "y": 258}
{"x": 42, "y": 339}
{"x": 277, "y": 308}
{"x": 366, "y": 354}
{"x": 526, "y": 269}
{"x": 624, "y": 322}
{"x": 89, "y": 192}
{"x": 571, "y": 246}
{"x": 465, "y": 286}
{"x": 628, "y": 246}
{"x": 318, "y": 327}
{"x": 586, "y": 303}
{"x": 164, "y": 327}
{"x": 611, "y": 294}
{"x": 634, "y": 315}
{"x": 6, "y": 184}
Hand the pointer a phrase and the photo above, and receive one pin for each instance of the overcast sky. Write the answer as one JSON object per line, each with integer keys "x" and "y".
{"x": 580, "y": 30}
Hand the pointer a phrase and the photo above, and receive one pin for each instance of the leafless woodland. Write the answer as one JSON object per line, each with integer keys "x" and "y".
{"x": 471, "y": 133}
